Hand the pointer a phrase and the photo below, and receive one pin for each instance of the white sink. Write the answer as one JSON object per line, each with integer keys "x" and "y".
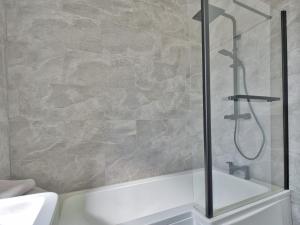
{"x": 36, "y": 209}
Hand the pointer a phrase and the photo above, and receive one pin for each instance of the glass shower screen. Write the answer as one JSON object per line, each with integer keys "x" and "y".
{"x": 246, "y": 101}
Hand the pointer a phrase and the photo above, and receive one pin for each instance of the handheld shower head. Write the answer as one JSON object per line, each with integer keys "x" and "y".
{"x": 229, "y": 54}
{"x": 226, "y": 53}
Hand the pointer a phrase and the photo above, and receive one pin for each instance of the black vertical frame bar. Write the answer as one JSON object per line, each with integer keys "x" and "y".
{"x": 207, "y": 109}
{"x": 285, "y": 98}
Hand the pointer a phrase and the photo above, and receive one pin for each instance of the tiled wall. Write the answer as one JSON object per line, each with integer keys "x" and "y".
{"x": 102, "y": 92}
{"x": 107, "y": 91}
{"x": 293, "y": 16}
{"x": 293, "y": 9}
{"x": 4, "y": 149}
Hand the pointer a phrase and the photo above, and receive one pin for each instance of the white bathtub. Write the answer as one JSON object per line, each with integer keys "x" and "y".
{"x": 151, "y": 200}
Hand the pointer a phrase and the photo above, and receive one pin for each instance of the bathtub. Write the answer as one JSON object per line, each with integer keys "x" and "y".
{"x": 175, "y": 199}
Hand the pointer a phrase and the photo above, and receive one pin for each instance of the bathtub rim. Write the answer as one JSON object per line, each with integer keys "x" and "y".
{"x": 125, "y": 184}
{"x": 218, "y": 212}
{"x": 65, "y": 196}
{"x": 240, "y": 211}
{"x": 272, "y": 192}
{"x": 224, "y": 218}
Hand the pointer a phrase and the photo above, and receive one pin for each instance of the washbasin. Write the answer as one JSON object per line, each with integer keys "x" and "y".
{"x": 35, "y": 209}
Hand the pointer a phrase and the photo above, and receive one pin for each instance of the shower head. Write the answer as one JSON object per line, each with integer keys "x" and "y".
{"x": 229, "y": 54}
{"x": 226, "y": 53}
{"x": 214, "y": 12}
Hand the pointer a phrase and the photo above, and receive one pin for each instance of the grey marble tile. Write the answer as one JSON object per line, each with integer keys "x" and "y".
{"x": 294, "y": 133}
{"x": 164, "y": 19}
{"x": 294, "y": 92}
{"x": 117, "y": 39}
{"x": 29, "y": 138}
{"x": 124, "y": 156}
{"x": 195, "y": 145}
{"x": 3, "y": 103}
{"x": 4, "y": 151}
{"x": 195, "y": 59}
{"x": 163, "y": 142}
{"x": 2, "y": 23}
{"x": 110, "y": 131}
{"x": 103, "y": 74}
{"x": 83, "y": 165}
{"x": 3, "y": 80}
{"x": 276, "y": 126}
{"x": 4, "y": 126}
{"x": 123, "y": 77}
{"x": 173, "y": 105}
{"x": 164, "y": 69}
{"x": 294, "y": 54}
{"x": 176, "y": 6}
{"x": 59, "y": 102}
{"x": 294, "y": 171}
{"x": 194, "y": 26}
{"x": 295, "y": 201}
{"x": 277, "y": 171}
{"x": 81, "y": 145}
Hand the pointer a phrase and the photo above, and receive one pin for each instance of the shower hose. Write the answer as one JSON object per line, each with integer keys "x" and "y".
{"x": 255, "y": 118}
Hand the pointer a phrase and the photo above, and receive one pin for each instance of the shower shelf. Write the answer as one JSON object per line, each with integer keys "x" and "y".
{"x": 252, "y": 98}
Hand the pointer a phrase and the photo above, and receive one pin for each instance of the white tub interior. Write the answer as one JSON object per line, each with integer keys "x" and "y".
{"x": 121, "y": 203}
{"x": 228, "y": 189}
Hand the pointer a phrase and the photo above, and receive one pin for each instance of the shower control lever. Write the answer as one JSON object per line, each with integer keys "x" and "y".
{"x": 233, "y": 168}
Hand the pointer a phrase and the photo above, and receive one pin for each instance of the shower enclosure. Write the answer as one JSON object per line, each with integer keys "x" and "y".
{"x": 245, "y": 114}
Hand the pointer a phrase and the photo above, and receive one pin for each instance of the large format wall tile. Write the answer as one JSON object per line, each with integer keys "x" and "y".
{"x": 99, "y": 91}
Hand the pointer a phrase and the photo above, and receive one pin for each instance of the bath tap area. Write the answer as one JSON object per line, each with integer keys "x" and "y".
{"x": 149, "y": 112}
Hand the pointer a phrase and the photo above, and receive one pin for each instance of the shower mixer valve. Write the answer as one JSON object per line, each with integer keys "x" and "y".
{"x": 233, "y": 168}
